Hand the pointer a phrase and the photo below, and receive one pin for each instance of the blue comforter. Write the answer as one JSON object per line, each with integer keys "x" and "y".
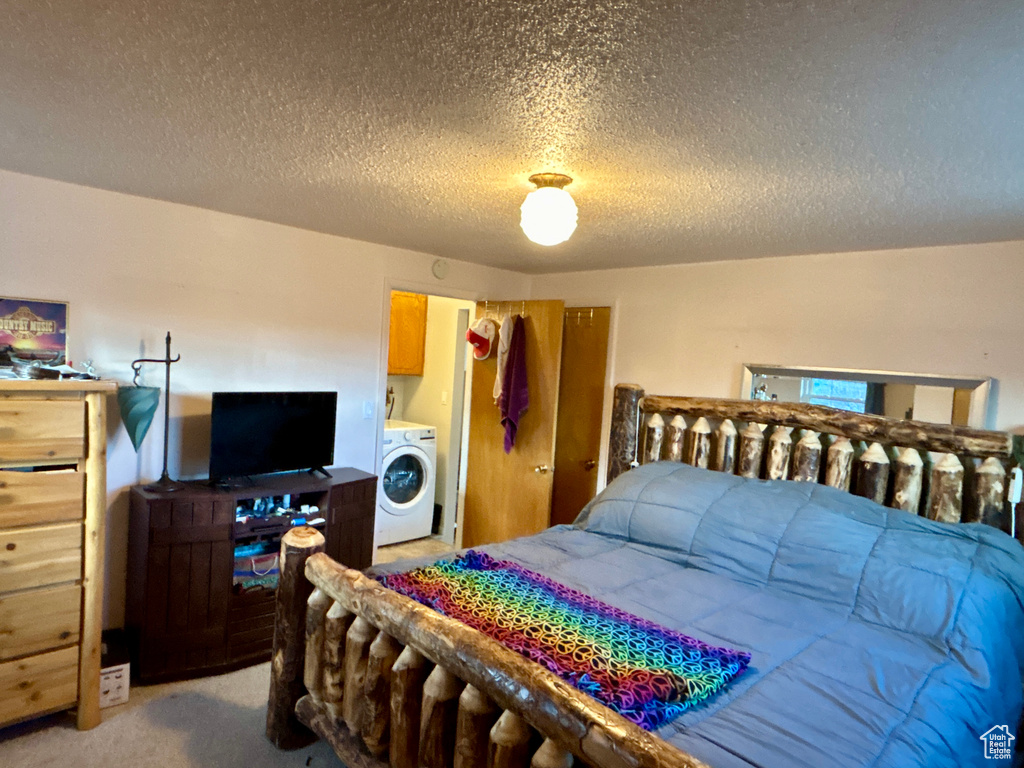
{"x": 878, "y": 638}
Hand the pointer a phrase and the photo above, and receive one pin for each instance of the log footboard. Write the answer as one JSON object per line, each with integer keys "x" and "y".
{"x": 394, "y": 684}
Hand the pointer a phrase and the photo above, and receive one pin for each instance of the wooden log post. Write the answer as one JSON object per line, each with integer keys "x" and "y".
{"x": 698, "y": 450}
{"x": 945, "y": 491}
{"x": 839, "y": 464}
{"x": 439, "y": 718}
{"x": 550, "y": 755}
{"x": 407, "y": 678}
{"x": 288, "y": 656}
{"x": 654, "y": 433}
{"x": 726, "y": 438}
{"x": 873, "y": 473}
{"x": 625, "y": 430}
{"x": 780, "y": 445}
{"x": 807, "y": 458}
{"x": 907, "y": 478}
{"x": 990, "y": 494}
{"x": 316, "y": 617}
{"x": 357, "y": 657}
{"x": 384, "y": 652}
{"x": 675, "y": 439}
{"x": 477, "y": 715}
{"x": 510, "y": 742}
{"x": 751, "y": 448}
{"x": 336, "y": 625}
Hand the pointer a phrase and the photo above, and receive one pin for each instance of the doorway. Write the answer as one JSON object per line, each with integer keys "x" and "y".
{"x": 493, "y": 494}
{"x": 418, "y": 486}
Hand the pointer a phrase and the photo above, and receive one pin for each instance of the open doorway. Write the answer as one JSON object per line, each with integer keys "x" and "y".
{"x": 484, "y": 490}
{"x": 418, "y": 486}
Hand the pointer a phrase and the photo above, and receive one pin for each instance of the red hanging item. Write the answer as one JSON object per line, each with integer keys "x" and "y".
{"x": 481, "y": 336}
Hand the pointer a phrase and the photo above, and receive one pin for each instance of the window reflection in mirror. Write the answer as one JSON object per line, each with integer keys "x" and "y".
{"x": 938, "y": 399}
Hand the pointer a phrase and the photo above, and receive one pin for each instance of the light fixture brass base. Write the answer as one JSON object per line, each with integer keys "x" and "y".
{"x": 557, "y": 180}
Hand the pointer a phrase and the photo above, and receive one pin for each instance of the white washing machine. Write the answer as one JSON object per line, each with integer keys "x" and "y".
{"x": 405, "y": 490}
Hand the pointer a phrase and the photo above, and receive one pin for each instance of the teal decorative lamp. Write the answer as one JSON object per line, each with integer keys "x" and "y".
{"x": 138, "y": 406}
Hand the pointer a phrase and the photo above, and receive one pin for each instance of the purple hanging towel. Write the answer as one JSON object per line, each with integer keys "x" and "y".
{"x": 515, "y": 398}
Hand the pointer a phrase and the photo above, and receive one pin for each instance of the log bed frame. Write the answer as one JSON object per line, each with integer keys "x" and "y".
{"x": 390, "y": 683}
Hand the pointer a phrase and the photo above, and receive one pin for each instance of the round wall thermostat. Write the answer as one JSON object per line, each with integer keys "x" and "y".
{"x": 440, "y": 269}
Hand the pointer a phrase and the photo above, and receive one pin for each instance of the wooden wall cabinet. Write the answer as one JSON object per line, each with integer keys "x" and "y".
{"x": 184, "y": 617}
{"x": 52, "y": 513}
{"x": 407, "y": 337}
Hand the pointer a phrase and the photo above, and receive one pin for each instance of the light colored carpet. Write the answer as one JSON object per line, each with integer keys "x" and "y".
{"x": 209, "y": 722}
{"x": 213, "y": 721}
{"x": 431, "y": 547}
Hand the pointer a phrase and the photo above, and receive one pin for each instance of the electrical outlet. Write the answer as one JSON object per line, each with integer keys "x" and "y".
{"x": 367, "y": 409}
{"x": 114, "y": 685}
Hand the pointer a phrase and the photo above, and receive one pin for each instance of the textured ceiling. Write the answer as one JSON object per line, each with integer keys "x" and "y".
{"x": 695, "y": 131}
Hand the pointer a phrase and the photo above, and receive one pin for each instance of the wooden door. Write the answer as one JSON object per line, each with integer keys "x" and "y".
{"x": 509, "y": 495}
{"x": 580, "y": 403}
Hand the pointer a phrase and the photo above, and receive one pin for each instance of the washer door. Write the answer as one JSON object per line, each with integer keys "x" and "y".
{"x": 403, "y": 479}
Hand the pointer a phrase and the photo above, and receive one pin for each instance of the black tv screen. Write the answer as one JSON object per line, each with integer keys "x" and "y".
{"x": 256, "y": 433}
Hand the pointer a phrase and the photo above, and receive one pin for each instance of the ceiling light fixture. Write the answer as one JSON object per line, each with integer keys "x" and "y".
{"x": 549, "y": 213}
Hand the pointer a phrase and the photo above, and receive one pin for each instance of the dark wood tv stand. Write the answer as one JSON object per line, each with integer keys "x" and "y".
{"x": 184, "y": 617}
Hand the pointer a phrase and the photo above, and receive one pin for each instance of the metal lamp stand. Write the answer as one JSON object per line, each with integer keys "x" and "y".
{"x": 164, "y": 483}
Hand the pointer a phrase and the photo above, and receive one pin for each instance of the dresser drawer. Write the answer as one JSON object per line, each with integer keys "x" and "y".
{"x": 39, "y": 620}
{"x": 41, "y": 555}
{"x": 38, "y": 684}
{"x": 35, "y": 498}
{"x": 41, "y": 430}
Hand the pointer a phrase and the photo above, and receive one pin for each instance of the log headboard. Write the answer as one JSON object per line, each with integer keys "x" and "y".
{"x": 947, "y": 473}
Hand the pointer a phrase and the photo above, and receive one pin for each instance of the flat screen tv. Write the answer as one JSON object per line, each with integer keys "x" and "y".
{"x": 257, "y": 433}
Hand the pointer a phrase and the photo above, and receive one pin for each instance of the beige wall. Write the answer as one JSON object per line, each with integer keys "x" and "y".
{"x": 899, "y": 398}
{"x": 254, "y": 305}
{"x": 251, "y": 305}
{"x": 428, "y": 399}
{"x": 688, "y": 329}
{"x": 397, "y": 385}
{"x": 933, "y": 404}
{"x": 785, "y": 388}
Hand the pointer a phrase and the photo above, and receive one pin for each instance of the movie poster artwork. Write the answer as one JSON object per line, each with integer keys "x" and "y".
{"x": 33, "y": 330}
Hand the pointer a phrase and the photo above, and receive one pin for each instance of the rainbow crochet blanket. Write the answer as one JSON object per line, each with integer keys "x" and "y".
{"x": 645, "y": 672}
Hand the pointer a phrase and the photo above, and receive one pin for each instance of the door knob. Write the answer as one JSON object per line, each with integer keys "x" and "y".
{"x": 589, "y": 464}
{"x": 541, "y": 469}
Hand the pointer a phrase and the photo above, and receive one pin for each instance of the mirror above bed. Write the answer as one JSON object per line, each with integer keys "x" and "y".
{"x": 957, "y": 400}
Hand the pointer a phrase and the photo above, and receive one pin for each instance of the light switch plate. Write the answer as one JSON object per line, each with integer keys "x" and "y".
{"x": 367, "y": 409}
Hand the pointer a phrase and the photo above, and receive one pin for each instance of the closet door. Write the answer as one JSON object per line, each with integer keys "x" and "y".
{"x": 580, "y": 407}
{"x": 509, "y": 495}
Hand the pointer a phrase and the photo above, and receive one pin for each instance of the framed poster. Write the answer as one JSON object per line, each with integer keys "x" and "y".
{"x": 33, "y": 329}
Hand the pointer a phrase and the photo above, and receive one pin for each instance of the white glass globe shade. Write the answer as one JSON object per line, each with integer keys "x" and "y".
{"x": 548, "y": 216}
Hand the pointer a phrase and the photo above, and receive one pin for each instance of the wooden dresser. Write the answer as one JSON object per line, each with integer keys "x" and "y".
{"x": 52, "y": 510}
